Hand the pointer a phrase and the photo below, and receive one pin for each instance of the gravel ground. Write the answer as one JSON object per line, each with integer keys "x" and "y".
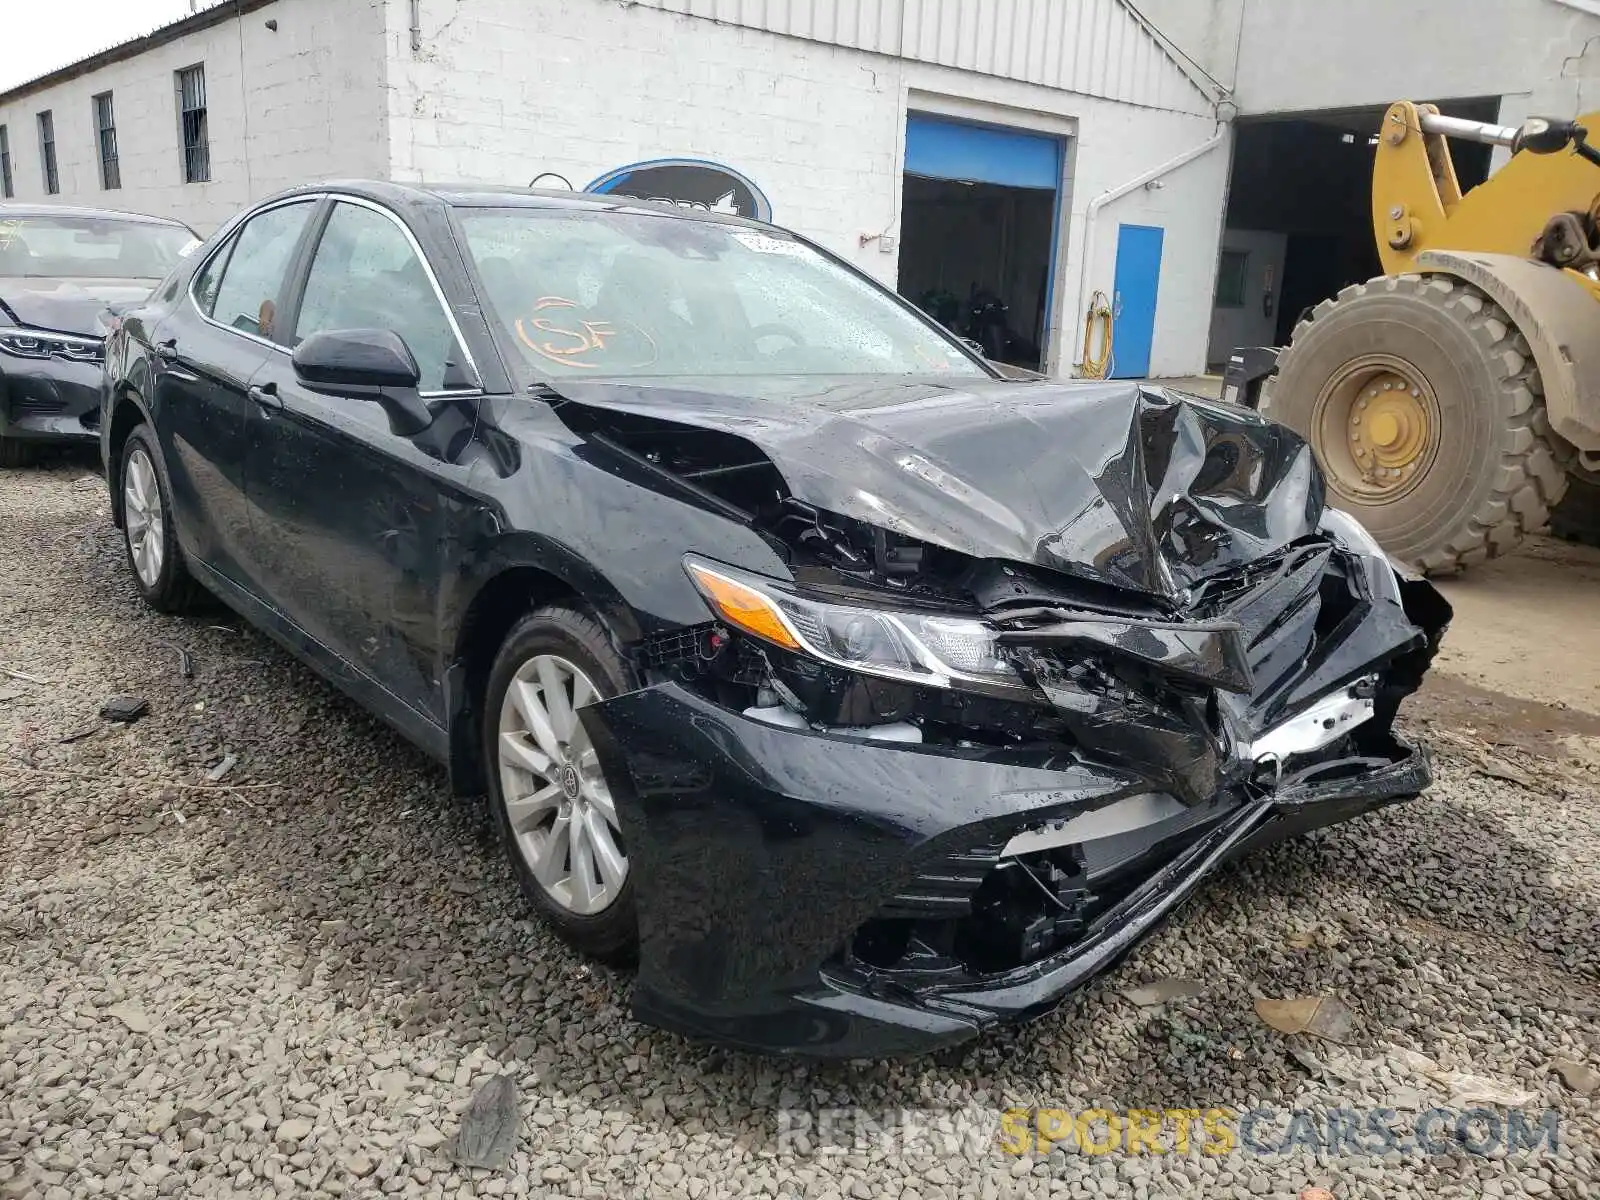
{"x": 291, "y": 982}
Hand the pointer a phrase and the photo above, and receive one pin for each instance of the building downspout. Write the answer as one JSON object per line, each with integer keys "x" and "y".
{"x": 1092, "y": 213}
{"x": 416, "y": 27}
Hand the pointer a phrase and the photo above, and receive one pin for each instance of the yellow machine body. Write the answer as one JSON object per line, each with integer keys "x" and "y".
{"x": 1424, "y": 223}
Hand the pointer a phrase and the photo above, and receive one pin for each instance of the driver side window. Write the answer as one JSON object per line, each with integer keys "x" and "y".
{"x": 366, "y": 276}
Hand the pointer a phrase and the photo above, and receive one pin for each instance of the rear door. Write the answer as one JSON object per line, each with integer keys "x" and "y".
{"x": 207, "y": 352}
{"x": 351, "y": 518}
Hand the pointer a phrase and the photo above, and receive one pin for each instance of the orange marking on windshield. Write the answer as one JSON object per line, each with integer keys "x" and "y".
{"x": 588, "y": 337}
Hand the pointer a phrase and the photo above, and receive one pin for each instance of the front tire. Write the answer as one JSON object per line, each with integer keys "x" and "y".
{"x": 1423, "y": 405}
{"x": 148, "y": 534}
{"x": 550, "y": 798}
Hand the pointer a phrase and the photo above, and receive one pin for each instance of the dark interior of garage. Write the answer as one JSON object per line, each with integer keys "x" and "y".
{"x": 1309, "y": 177}
{"x": 976, "y": 256}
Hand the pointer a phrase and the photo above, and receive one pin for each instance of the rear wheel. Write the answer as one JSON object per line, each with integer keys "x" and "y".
{"x": 1423, "y": 406}
{"x": 147, "y": 530}
{"x": 551, "y": 800}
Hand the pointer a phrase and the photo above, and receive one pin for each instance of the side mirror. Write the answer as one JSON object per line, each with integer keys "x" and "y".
{"x": 336, "y": 359}
{"x": 366, "y": 364}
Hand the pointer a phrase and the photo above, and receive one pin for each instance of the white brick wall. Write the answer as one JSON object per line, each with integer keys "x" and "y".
{"x": 304, "y": 102}
{"x": 504, "y": 89}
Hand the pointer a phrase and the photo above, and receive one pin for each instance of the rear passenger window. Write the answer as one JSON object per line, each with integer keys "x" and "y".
{"x": 367, "y": 276}
{"x": 245, "y": 297}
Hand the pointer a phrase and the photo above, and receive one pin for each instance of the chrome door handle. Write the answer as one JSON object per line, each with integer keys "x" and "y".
{"x": 266, "y": 395}
{"x": 167, "y": 351}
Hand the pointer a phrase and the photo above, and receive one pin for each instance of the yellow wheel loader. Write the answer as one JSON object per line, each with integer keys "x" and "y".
{"x": 1454, "y": 400}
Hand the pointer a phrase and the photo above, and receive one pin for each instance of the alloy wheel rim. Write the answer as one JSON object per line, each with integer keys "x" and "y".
{"x": 559, "y": 807}
{"x": 141, "y": 503}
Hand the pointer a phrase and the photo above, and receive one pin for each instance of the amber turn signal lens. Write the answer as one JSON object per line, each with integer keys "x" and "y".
{"x": 743, "y": 607}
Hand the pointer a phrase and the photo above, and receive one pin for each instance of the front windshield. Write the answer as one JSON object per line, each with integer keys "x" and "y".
{"x": 630, "y": 294}
{"x": 63, "y": 247}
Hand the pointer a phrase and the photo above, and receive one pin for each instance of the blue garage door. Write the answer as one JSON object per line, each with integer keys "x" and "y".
{"x": 981, "y": 153}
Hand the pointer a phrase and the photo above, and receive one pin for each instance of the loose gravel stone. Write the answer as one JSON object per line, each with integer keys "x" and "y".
{"x": 297, "y": 989}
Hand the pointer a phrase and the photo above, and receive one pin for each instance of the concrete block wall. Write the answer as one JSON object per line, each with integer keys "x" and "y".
{"x": 284, "y": 106}
{"x": 502, "y": 90}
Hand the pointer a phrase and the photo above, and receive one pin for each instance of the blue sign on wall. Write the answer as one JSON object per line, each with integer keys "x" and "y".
{"x": 689, "y": 182}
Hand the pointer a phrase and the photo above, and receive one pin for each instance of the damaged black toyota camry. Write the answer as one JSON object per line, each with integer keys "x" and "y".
{"x": 864, "y": 698}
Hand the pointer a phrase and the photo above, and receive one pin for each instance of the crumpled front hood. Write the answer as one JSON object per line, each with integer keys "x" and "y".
{"x": 1119, "y": 482}
{"x": 67, "y": 305}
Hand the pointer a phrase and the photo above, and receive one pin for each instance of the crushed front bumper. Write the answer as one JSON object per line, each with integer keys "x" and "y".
{"x": 760, "y": 854}
{"x": 49, "y": 399}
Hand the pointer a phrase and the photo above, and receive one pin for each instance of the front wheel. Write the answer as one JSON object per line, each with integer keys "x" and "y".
{"x": 550, "y": 797}
{"x": 1423, "y": 405}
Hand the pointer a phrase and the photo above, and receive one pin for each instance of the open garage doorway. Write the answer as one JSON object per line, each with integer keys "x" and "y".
{"x": 1299, "y": 217}
{"x": 980, "y": 209}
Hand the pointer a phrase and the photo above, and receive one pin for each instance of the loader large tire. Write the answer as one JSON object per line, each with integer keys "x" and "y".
{"x": 1481, "y": 465}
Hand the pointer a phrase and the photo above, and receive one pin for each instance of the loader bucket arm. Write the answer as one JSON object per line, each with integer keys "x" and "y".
{"x": 1424, "y": 223}
{"x": 1417, "y": 203}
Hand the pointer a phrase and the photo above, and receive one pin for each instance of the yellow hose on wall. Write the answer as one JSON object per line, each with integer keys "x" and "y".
{"x": 1096, "y": 366}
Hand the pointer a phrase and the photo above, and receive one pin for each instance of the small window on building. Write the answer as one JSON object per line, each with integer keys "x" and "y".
{"x": 1232, "y": 272}
{"x": 47, "y": 152}
{"x": 5, "y": 164}
{"x": 191, "y": 86}
{"x": 105, "y": 128}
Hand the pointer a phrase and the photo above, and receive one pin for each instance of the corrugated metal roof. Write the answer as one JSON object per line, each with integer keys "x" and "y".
{"x": 1093, "y": 47}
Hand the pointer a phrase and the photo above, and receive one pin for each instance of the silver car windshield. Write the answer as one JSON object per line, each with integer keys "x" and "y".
{"x": 592, "y": 293}
{"x": 68, "y": 247}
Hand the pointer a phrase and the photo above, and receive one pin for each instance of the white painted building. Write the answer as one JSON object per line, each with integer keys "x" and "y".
{"x": 811, "y": 102}
{"x": 1203, "y": 163}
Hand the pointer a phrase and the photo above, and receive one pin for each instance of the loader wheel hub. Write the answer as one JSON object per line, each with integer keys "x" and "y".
{"x": 1377, "y": 427}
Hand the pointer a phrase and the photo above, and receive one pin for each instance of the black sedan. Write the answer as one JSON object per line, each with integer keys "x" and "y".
{"x": 864, "y": 698}
{"x": 63, "y": 271}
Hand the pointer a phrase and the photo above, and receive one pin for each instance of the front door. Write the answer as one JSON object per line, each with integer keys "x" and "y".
{"x": 207, "y": 352}
{"x": 1133, "y": 304}
{"x": 351, "y": 518}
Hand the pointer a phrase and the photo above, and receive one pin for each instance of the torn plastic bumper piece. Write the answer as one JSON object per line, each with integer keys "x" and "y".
{"x": 759, "y": 852}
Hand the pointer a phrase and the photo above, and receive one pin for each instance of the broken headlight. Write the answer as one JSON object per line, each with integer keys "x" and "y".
{"x": 927, "y": 647}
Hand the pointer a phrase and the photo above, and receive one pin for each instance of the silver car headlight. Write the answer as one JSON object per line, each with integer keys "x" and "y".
{"x": 926, "y": 647}
{"x": 22, "y": 342}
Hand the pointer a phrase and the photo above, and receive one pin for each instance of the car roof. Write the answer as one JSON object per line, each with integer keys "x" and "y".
{"x": 489, "y": 195}
{"x": 11, "y": 208}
